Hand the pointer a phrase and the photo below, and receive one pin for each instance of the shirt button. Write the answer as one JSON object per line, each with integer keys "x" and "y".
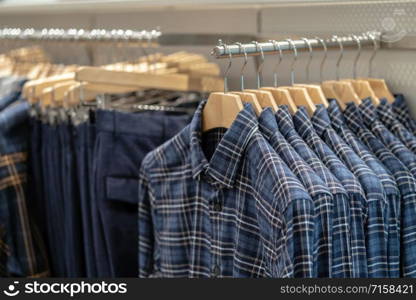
{"x": 216, "y": 271}
{"x": 217, "y": 206}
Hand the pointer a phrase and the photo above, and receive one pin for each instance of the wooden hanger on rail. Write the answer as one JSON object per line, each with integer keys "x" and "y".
{"x": 221, "y": 109}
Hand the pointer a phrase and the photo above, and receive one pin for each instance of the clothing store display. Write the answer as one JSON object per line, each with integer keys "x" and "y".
{"x": 152, "y": 167}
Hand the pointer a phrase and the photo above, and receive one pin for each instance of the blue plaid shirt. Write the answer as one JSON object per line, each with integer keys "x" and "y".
{"x": 357, "y": 197}
{"x": 222, "y": 203}
{"x": 369, "y": 116}
{"x": 404, "y": 213}
{"x": 375, "y": 227}
{"x": 389, "y": 184}
{"x": 25, "y": 246}
{"x": 341, "y": 244}
{"x": 402, "y": 113}
{"x": 319, "y": 192}
{"x": 386, "y": 115}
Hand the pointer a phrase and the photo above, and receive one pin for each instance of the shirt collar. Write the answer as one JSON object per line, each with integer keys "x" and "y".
{"x": 302, "y": 122}
{"x": 284, "y": 120}
{"x": 337, "y": 119}
{"x": 14, "y": 115}
{"x": 368, "y": 111}
{"x": 267, "y": 123}
{"x": 400, "y": 102}
{"x": 224, "y": 164}
{"x": 320, "y": 119}
{"x": 385, "y": 111}
{"x": 353, "y": 116}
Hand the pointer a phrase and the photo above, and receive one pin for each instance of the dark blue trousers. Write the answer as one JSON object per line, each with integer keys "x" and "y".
{"x": 52, "y": 183}
{"x": 84, "y": 145}
{"x": 72, "y": 205}
{"x": 123, "y": 139}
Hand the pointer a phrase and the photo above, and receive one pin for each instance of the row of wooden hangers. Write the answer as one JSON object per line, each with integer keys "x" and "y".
{"x": 180, "y": 71}
{"x": 222, "y": 108}
{"x": 72, "y": 85}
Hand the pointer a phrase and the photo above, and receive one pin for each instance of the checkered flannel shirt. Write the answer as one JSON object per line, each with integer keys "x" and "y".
{"x": 341, "y": 244}
{"x": 241, "y": 213}
{"x": 25, "y": 247}
{"x": 402, "y": 113}
{"x": 316, "y": 188}
{"x": 405, "y": 182}
{"x": 389, "y": 184}
{"x": 358, "y": 200}
{"x": 387, "y": 116}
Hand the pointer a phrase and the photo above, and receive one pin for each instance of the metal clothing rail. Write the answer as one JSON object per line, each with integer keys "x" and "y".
{"x": 79, "y": 35}
{"x": 273, "y": 47}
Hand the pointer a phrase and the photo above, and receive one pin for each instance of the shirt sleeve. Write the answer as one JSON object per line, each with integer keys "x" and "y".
{"x": 145, "y": 228}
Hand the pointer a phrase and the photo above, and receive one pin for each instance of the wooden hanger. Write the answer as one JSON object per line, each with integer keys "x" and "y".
{"x": 88, "y": 92}
{"x": 250, "y": 98}
{"x": 174, "y": 82}
{"x": 32, "y": 89}
{"x": 282, "y": 97}
{"x": 378, "y": 85}
{"x": 363, "y": 89}
{"x": 344, "y": 91}
{"x": 301, "y": 98}
{"x": 380, "y": 88}
{"x": 316, "y": 93}
{"x": 264, "y": 98}
{"x": 221, "y": 110}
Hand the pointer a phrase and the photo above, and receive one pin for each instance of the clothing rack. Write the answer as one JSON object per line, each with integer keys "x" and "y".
{"x": 79, "y": 35}
{"x": 273, "y": 47}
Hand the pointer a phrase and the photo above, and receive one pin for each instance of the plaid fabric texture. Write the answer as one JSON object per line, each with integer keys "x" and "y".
{"x": 316, "y": 188}
{"x": 341, "y": 244}
{"x": 403, "y": 212}
{"x": 402, "y": 113}
{"x": 27, "y": 254}
{"x": 375, "y": 227}
{"x": 386, "y": 115}
{"x": 357, "y": 197}
{"x": 389, "y": 184}
{"x": 369, "y": 117}
{"x": 241, "y": 213}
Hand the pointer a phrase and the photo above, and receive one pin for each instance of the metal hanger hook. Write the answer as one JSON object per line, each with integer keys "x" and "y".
{"x": 226, "y": 49}
{"x": 357, "y": 57}
{"x": 308, "y": 64}
{"x": 295, "y": 58}
{"x": 243, "y": 48}
{"x": 321, "y": 67}
{"x": 260, "y": 66}
{"x": 373, "y": 55}
{"x": 341, "y": 55}
{"x": 277, "y": 47}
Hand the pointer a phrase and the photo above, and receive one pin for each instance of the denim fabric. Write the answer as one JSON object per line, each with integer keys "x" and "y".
{"x": 51, "y": 161}
{"x": 222, "y": 203}
{"x": 358, "y": 201}
{"x": 402, "y": 113}
{"x": 84, "y": 145}
{"x": 317, "y": 189}
{"x": 10, "y": 90}
{"x": 376, "y": 227}
{"x": 72, "y": 205}
{"x": 25, "y": 247}
{"x": 341, "y": 250}
{"x": 404, "y": 211}
{"x": 37, "y": 203}
{"x": 389, "y": 184}
{"x": 123, "y": 139}
{"x": 386, "y": 115}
